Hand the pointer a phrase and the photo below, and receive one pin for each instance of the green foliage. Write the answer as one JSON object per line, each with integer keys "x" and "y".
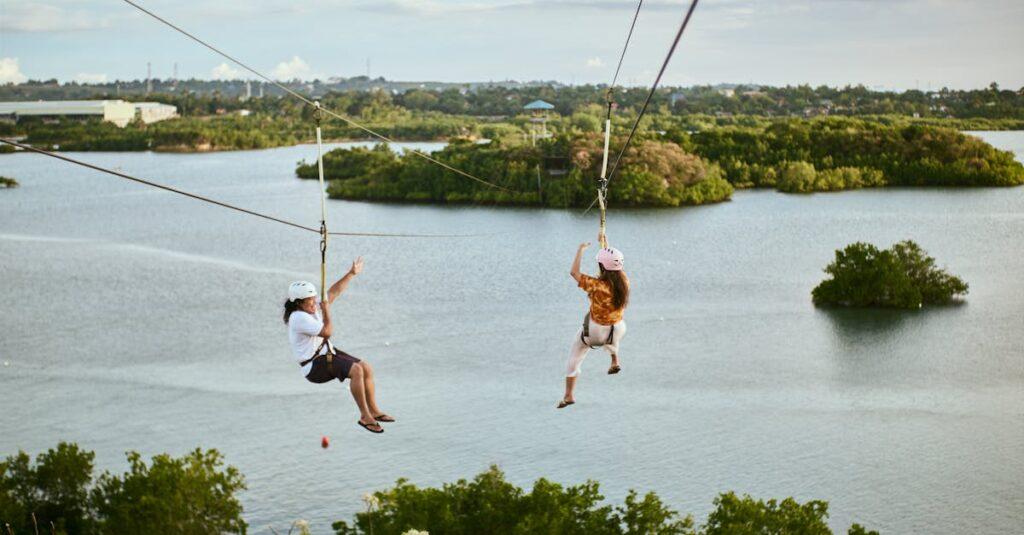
{"x": 490, "y": 504}
{"x": 54, "y": 488}
{"x": 342, "y": 164}
{"x": 802, "y": 177}
{"x": 900, "y": 277}
{"x": 193, "y": 494}
{"x": 734, "y": 515}
{"x": 560, "y": 172}
{"x": 8, "y": 182}
{"x": 828, "y": 154}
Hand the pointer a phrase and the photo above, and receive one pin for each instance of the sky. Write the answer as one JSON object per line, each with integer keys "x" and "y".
{"x": 885, "y": 44}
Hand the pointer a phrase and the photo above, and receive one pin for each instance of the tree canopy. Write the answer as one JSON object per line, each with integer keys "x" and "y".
{"x": 903, "y": 276}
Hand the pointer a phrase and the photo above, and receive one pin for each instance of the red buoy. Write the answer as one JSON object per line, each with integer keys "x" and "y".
{"x": 325, "y": 442}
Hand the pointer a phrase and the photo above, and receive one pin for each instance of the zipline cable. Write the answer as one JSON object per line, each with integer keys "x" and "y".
{"x": 654, "y": 87}
{"x": 609, "y": 97}
{"x": 220, "y": 203}
{"x": 626, "y": 44}
{"x": 310, "y": 102}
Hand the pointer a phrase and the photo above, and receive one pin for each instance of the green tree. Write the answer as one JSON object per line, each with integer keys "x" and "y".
{"x": 734, "y": 515}
{"x": 193, "y": 494}
{"x": 54, "y": 488}
{"x": 904, "y": 276}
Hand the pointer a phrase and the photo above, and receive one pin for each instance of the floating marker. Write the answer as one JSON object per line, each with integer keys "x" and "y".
{"x": 325, "y": 442}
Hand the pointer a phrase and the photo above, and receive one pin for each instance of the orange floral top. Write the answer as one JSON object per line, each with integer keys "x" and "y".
{"x": 601, "y": 298}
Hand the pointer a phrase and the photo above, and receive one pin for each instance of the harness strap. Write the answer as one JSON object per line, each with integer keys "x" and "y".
{"x": 586, "y": 334}
{"x": 329, "y": 355}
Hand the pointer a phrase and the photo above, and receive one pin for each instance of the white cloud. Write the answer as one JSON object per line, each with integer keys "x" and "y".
{"x": 10, "y": 71}
{"x": 91, "y": 78}
{"x": 224, "y": 72}
{"x": 291, "y": 69}
{"x": 39, "y": 17}
{"x": 594, "y": 62}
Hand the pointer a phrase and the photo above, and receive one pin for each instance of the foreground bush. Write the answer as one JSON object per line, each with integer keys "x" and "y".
{"x": 8, "y": 182}
{"x": 192, "y": 494}
{"x": 903, "y": 276}
{"x": 490, "y": 504}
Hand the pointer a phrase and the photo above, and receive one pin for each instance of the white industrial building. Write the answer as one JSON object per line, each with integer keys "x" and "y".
{"x": 151, "y": 112}
{"x": 118, "y": 112}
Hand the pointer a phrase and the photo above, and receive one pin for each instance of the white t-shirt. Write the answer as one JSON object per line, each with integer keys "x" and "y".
{"x": 303, "y": 333}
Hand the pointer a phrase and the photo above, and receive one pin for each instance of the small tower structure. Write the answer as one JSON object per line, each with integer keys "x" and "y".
{"x": 539, "y": 117}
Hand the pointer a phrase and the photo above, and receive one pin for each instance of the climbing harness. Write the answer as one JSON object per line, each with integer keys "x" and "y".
{"x": 585, "y": 335}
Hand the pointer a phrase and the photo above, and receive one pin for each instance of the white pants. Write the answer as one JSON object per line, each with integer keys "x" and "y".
{"x": 598, "y": 335}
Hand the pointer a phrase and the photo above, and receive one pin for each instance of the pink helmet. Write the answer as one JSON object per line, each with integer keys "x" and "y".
{"x": 610, "y": 258}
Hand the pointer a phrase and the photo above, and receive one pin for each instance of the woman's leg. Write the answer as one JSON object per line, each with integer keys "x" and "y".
{"x": 613, "y": 347}
{"x": 370, "y": 389}
{"x": 355, "y": 376}
{"x": 576, "y": 356}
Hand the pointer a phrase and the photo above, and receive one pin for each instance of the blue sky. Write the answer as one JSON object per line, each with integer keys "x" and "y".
{"x": 897, "y": 44}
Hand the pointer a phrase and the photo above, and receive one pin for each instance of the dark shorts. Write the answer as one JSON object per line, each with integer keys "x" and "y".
{"x": 339, "y": 368}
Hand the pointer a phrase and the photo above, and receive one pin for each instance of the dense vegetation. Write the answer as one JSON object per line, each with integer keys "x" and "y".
{"x": 490, "y": 504}
{"x": 196, "y": 494}
{"x": 8, "y": 182}
{"x": 833, "y": 153}
{"x": 698, "y": 162}
{"x": 903, "y": 276}
{"x": 201, "y": 97}
{"x": 233, "y": 132}
{"x": 192, "y": 494}
{"x": 556, "y": 172}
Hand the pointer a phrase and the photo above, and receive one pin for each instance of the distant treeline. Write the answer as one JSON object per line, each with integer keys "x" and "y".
{"x": 198, "y": 97}
{"x": 234, "y": 132}
{"x": 845, "y": 153}
{"x": 680, "y": 167}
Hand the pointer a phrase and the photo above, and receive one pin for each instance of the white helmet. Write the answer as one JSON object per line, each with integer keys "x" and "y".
{"x": 301, "y": 290}
{"x": 610, "y": 259}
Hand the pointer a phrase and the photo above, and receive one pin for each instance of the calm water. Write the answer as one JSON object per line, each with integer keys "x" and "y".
{"x": 136, "y": 319}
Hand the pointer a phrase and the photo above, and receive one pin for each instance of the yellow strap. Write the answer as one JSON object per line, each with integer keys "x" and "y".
{"x": 601, "y": 189}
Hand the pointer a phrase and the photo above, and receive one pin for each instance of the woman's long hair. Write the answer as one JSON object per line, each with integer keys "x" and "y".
{"x": 289, "y": 307}
{"x": 620, "y": 288}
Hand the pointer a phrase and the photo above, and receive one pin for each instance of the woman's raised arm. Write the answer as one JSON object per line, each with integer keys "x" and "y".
{"x": 576, "y": 262}
{"x": 339, "y": 287}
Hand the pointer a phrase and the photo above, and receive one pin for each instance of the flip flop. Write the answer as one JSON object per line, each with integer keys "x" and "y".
{"x": 384, "y": 418}
{"x": 369, "y": 426}
{"x": 614, "y": 369}
{"x": 563, "y": 404}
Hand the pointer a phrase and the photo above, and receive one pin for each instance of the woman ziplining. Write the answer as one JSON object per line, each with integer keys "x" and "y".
{"x": 309, "y": 332}
{"x": 603, "y": 325}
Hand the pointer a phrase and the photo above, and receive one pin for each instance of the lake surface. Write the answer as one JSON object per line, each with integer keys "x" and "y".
{"x": 135, "y": 319}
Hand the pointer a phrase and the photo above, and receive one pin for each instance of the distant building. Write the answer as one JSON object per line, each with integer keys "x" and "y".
{"x": 151, "y": 112}
{"x": 726, "y": 92}
{"x": 118, "y": 112}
